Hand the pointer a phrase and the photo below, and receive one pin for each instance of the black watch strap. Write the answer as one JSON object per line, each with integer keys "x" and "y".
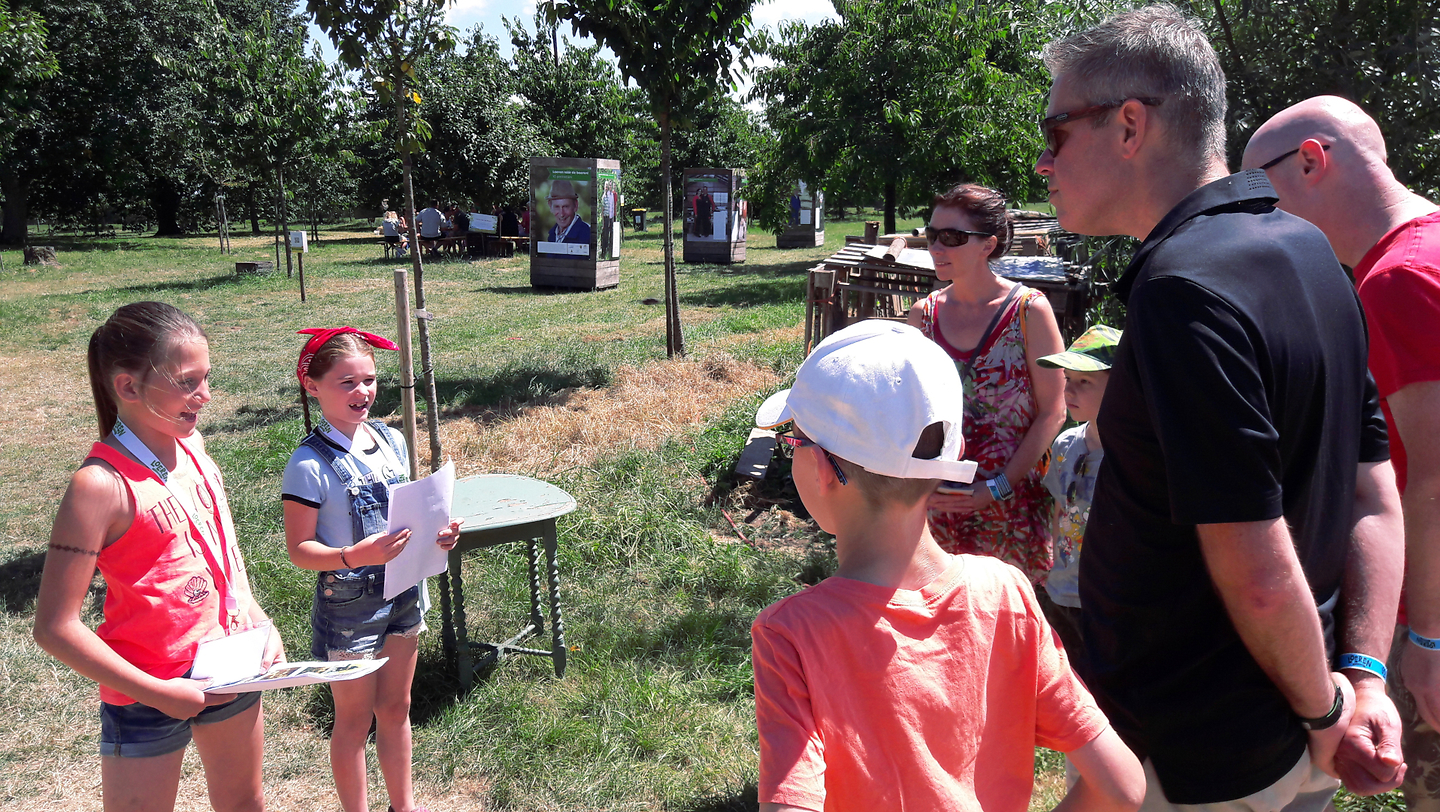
{"x": 1329, "y": 719}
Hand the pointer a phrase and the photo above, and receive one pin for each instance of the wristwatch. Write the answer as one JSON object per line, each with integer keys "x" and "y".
{"x": 1329, "y": 719}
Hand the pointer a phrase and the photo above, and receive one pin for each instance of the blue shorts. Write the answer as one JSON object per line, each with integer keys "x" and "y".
{"x": 350, "y": 618}
{"x": 140, "y": 731}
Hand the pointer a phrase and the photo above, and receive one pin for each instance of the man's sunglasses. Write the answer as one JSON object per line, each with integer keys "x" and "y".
{"x": 1054, "y": 137}
{"x": 794, "y": 440}
{"x": 1280, "y": 158}
{"x": 952, "y": 237}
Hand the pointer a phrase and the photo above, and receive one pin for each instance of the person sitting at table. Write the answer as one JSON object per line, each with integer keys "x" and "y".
{"x": 393, "y": 229}
{"x": 1014, "y": 407}
{"x": 431, "y": 221}
{"x": 509, "y": 223}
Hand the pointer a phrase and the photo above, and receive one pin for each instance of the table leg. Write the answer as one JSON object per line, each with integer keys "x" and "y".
{"x": 462, "y": 639}
{"x": 537, "y": 620}
{"x": 557, "y": 626}
{"x": 447, "y": 628}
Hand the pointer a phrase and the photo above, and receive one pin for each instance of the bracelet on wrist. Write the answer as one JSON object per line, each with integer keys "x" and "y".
{"x": 1002, "y": 482}
{"x": 1361, "y": 662}
{"x": 1328, "y": 720}
{"x": 1424, "y": 642}
{"x": 342, "y": 557}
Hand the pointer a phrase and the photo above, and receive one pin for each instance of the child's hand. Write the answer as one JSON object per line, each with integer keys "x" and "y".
{"x": 378, "y": 549}
{"x": 450, "y": 535}
{"x": 182, "y": 698}
{"x": 274, "y": 649}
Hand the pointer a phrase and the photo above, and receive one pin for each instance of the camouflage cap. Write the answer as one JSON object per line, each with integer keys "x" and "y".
{"x": 1093, "y": 351}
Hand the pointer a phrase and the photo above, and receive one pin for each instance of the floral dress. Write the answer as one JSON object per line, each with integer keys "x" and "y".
{"x": 999, "y": 408}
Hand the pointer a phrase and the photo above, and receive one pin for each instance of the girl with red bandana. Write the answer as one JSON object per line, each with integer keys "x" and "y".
{"x": 336, "y": 491}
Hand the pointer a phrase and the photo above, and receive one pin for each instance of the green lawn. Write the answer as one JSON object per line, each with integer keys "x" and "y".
{"x": 656, "y": 710}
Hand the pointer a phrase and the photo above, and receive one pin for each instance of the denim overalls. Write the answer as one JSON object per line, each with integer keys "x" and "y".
{"x": 349, "y": 613}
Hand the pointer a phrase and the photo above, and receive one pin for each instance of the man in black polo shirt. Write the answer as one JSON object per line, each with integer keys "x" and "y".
{"x": 1243, "y": 443}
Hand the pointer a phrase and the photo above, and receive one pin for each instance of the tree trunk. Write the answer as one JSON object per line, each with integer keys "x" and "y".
{"x": 253, "y": 209}
{"x": 284, "y": 218}
{"x": 427, "y": 370}
{"x": 674, "y": 337}
{"x": 16, "y": 191}
{"x": 167, "y": 208}
{"x": 890, "y": 226}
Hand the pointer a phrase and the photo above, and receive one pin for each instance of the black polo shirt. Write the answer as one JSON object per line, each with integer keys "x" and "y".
{"x": 1239, "y": 393}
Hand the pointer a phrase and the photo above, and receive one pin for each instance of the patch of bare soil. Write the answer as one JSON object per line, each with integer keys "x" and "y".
{"x": 642, "y": 406}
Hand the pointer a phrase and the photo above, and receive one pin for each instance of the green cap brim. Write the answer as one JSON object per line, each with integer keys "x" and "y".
{"x": 1075, "y": 361}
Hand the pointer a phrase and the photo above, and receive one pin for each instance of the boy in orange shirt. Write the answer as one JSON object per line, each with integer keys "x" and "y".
{"x": 911, "y": 679}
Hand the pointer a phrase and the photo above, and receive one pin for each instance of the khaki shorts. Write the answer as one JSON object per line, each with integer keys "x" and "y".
{"x": 1304, "y": 789}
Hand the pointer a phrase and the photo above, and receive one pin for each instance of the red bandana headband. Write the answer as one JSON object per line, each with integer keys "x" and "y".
{"x": 318, "y": 337}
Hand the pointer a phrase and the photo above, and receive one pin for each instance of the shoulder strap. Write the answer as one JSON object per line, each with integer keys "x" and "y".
{"x": 384, "y": 431}
{"x": 990, "y": 330}
{"x": 323, "y": 449}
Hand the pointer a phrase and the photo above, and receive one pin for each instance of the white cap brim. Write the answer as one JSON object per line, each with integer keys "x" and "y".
{"x": 775, "y": 411}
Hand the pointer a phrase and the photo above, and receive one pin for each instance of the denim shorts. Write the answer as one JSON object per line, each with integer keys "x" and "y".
{"x": 140, "y": 731}
{"x": 350, "y": 618}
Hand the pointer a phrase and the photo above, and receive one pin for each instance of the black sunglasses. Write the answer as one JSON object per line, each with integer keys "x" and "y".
{"x": 1275, "y": 161}
{"x": 1055, "y": 137}
{"x": 794, "y": 440}
{"x": 952, "y": 236}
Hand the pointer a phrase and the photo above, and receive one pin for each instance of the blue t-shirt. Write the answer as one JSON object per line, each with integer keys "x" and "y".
{"x": 311, "y": 481}
{"x": 1071, "y": 480}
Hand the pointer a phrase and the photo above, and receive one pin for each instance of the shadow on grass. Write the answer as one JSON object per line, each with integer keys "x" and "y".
{"x": 207, "y": 283}
{"x": 747, "y": 799}
{"x": 20, "y": 584}
{"x": 434, "y": 690}
{"x": 763, "y": 290}
{"x": 509, "y": 388}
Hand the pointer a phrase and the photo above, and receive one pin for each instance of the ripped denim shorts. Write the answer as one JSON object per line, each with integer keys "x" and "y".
{"x": 350, "y": 618}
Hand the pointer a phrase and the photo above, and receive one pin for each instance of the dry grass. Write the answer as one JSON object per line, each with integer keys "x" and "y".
{"x": 643, "y": 406}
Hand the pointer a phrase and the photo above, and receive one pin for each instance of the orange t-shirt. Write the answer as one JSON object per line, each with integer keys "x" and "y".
{"x": 162, "y": 596}
{"x": 874, "y": 698}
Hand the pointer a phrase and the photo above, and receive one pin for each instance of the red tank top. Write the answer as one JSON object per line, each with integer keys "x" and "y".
{"x": 162, "y": 596}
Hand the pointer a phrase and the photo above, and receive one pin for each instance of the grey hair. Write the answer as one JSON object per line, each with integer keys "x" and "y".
{"x": 1152, "y": 51}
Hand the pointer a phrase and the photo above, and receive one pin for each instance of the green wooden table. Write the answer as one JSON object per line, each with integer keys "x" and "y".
{"x": 497, "y": 509}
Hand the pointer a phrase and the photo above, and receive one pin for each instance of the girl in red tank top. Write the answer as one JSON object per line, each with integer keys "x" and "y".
{"x": 148, "y": 508}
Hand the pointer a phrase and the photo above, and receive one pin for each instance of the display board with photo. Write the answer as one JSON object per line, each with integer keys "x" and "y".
{"x": 608, "y": 210}
{"x": 707, "y": 207}
{"x": 563, "y": 208}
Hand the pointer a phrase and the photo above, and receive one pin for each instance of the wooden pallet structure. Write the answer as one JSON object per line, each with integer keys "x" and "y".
{"x": 864, "y": 281}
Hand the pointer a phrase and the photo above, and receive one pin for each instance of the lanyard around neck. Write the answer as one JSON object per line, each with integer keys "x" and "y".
{"x": 216, "y": 543}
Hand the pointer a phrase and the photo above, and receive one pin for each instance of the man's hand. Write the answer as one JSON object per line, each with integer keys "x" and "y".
{"x": 1421, "y": 670}
{"x": 1369, "y": 760}
{"x": 1324, "y": 743}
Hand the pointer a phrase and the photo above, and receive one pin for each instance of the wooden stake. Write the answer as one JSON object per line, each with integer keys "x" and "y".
{"x": 300, "y": 258}
{"x": 407, "y": 368}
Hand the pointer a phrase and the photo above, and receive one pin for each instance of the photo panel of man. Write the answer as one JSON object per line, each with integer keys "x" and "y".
{"x": 562, "y": 209}
{"x": 609, "y": 209}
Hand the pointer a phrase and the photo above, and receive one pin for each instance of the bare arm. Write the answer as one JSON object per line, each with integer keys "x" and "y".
{"x": 306, "y": 552}
{"x": 1111, "y": 779}
{"x": 1254, "y": 568}
{"x": 94, "y": 513}
{"x": 1416, "y": 409}
{"x": 1369, "y": 758}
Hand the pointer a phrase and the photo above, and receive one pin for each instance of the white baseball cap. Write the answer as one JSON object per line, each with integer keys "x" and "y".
{"x": 867, "y": 393}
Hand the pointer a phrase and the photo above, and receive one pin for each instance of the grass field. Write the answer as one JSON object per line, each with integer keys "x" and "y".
{"x": 659, "y": 586}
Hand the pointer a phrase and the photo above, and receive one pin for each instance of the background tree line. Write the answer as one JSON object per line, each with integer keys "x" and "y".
{"x": 143, "y": 110}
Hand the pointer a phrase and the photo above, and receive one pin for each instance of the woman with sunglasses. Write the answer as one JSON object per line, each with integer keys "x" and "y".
{"x": 996, "y": 331}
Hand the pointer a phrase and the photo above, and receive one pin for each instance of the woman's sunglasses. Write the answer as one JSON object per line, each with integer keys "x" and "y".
{"x": 793, "y": 440}
{"x": 953, "y": 237}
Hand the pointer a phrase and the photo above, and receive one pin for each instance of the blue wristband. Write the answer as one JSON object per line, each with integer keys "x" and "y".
{"x": 1360, "y": 662}
{"x": 1424, "y": 642}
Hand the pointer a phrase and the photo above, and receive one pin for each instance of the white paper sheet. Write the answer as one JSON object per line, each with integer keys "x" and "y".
{"x": 423, "y": 507}
{"x": 233, "y": 657}
{"x": 289, "y": 675}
